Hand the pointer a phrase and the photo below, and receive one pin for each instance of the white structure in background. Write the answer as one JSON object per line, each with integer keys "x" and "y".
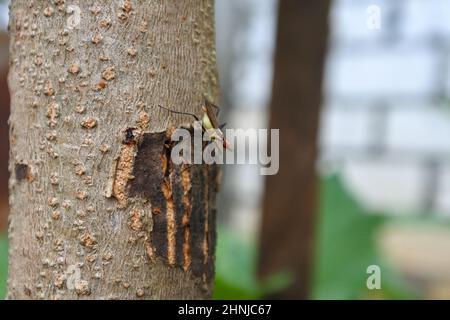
{"x": 4, "y": 16}
{"x": 387, "y": 121}
{"x": 245, "y": 40}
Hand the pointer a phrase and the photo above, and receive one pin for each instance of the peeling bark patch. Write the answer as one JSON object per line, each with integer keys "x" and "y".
{"x": 147, "y": 184}
{"x": 183, "y": 233}
{"x": 148, "y": 172}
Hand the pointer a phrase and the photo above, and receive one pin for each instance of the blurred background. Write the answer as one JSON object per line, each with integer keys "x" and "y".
{"x": 360, "y": 91}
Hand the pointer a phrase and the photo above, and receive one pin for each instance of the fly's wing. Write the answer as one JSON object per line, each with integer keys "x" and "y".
{"x": 215, "y": 108}
{"x": 209, "y": 107}
{"x": 211, "y": 113}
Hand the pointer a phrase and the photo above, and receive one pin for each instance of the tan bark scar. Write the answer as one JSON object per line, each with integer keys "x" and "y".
{"x": 205, "y": 245}
{"x": 123, "y": 173}
{"x": 186, "y": 184}
{"x": 123, "y": 165}
{"x": 171, "y": 224}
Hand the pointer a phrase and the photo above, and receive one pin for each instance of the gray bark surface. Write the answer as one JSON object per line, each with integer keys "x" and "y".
{"x": 84, "y": 99}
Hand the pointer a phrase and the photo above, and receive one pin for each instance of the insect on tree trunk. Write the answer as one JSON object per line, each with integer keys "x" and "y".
{"x": 98, "y": 210}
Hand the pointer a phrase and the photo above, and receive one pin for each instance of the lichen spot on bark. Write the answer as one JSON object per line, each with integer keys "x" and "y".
{"x": 22, "y": 172}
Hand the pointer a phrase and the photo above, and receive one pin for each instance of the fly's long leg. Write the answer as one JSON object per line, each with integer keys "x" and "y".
{"x": 180, "y": 112}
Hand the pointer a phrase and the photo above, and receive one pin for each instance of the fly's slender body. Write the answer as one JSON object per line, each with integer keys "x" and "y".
{"x": 209, "y": 121}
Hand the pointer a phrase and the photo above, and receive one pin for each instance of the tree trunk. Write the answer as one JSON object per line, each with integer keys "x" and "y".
{"x": 4, "y": 141}
{"x": 290, "y": 196}
{"x": 98, "y": 210}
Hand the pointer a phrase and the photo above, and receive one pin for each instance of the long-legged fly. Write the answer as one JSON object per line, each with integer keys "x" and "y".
{"x": 209, "y": 121}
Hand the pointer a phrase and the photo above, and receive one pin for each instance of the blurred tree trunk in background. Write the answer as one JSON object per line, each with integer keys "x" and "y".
{"x": 98, "y": 209}
{"x": 290, "y": 196}
{"x": 4, "y": 142}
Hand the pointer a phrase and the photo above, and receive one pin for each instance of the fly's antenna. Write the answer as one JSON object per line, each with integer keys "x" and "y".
{"x": 179, "y": 112}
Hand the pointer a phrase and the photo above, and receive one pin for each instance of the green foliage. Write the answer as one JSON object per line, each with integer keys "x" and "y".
{"x": 236, "y": 270}
{"x": 346, "y": 247}
{"x": 3, "y": 264}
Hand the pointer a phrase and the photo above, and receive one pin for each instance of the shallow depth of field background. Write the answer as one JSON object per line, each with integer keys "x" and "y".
{"x": 384, "y": 163}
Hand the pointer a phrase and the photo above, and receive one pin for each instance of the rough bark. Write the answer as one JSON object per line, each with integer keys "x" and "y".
{"x": 290, "y": 196}
{"x": 98, "y": 210}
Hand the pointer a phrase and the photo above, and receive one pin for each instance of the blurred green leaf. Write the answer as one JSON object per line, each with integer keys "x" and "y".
{"x": 236, "y": 270}
{"x": 346, "y": 247}
{"x": 3, "y": 264}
